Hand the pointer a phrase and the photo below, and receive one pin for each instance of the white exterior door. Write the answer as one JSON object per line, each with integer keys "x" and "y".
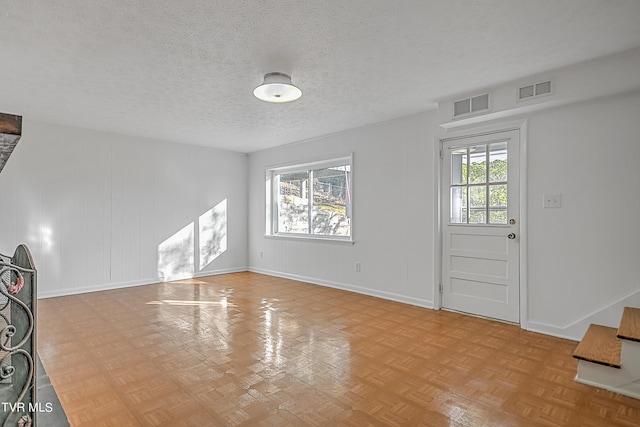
{"x": 481, "y": 225}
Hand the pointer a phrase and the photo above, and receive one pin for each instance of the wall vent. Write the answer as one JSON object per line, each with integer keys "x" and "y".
{"x": 471, "y": 105}
{"x": 534, "y": 90}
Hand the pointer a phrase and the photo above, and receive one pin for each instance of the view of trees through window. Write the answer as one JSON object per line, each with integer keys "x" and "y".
{"x": 316, "y": 201}
{"x": 479, "y": 184}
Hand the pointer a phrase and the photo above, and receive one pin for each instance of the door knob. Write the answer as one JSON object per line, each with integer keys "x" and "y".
{"x": 511, "y": 236}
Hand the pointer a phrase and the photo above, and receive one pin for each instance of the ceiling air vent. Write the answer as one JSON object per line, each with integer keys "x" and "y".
{"x": 472, "y": 105}
{"x": 533, "y": 90}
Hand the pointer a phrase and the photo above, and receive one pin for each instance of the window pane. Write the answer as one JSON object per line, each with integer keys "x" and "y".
{"x": 293, "y": 202}
{"x": 459, "y": 166}
{"x": 498, "y": 162}
{"x": 498, "y": 204}
{"x": 477, "y": 205}
{"x": 478, "y": 164}
{"x": 331, "y": 201}
{"x": 458, "y": 205}
{"x": 498, "y": 216}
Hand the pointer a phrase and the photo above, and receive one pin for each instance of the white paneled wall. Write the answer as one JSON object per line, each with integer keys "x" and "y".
{"x": 394, "y": 208}
{"x": 94, "y": 206}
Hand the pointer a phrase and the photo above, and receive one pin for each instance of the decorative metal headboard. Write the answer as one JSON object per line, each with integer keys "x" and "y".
{"x": 17, "y": 339}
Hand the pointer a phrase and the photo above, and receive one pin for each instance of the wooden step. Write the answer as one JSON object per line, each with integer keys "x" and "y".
{"x": 630, "y": 324}
{"x": 600, "y": 345}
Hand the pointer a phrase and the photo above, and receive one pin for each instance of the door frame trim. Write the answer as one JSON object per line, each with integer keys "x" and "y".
{"x": 521, "y": 126}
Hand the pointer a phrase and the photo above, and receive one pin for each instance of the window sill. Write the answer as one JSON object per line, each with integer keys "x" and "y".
{"x": 314, "y": 239}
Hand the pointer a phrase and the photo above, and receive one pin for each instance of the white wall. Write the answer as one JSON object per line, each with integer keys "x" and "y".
{"x": 393, "y": 206}
{"x": 584, "y": 256}
{"x": 93, "y": 207}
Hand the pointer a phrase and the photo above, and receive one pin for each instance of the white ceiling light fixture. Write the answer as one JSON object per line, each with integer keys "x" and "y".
{"x": 277, "y": 88}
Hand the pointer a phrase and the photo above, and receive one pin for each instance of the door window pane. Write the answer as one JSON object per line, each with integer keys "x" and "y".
{"x": 478, "y": 204}
{"x": 478, "y": 164}
{"x": 498, "y": 162}
{"x": 458, "y": 205}
{"x": 459, "y": 166}
{"x": 498, "y": 204}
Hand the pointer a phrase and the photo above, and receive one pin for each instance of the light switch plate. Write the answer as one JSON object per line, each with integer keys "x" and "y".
{"x": 552, "y": 200}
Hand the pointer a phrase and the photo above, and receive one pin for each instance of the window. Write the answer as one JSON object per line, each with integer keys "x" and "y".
{"x": 479, "y": 184}
{"x": 311, "y": 200}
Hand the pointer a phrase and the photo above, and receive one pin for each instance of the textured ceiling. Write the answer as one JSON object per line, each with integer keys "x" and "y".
{"x": 185, "y": 70}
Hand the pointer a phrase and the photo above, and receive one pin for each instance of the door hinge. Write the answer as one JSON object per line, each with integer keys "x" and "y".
{"x": 440, "y": 288}
{"x": 441, "y": 155}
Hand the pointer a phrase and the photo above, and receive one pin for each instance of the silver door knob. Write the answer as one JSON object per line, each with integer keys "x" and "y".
{"x": 511, "y": 236}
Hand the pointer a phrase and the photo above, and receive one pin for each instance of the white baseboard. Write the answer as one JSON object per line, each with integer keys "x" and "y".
{"x": 94, "y": 288}
{"x": 221, "y": 271}
{"x": 336, "y": 285}
{"x": 607, "y": 316}
{"x": 128, "y": 284}
{"x": 346, "y": 287}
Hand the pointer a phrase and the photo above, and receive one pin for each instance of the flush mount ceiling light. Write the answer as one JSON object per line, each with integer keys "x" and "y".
{"x": 277, "y": 88}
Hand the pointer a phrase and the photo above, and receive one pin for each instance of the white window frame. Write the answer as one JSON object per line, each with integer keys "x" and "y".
{"x": 272, "y": 190}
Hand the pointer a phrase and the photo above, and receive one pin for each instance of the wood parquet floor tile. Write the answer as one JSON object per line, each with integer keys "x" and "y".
{"x": 246, "y": 349}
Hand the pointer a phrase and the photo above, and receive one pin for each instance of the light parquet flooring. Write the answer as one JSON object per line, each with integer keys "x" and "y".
{"x": 246, "y": 349}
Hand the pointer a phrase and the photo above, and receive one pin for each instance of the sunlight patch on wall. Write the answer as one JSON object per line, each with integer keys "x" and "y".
{"x": 179, "y": 255}
{"x": 213, "y": 233}
{"x": 175, "y": 255}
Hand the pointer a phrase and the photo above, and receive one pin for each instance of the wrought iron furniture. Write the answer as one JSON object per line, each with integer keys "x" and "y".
{"x": 18, "y": 279}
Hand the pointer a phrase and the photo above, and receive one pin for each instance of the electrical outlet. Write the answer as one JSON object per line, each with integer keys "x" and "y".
{"x": 261, "y": 254}
{"x": 552, "y": 201}
{"x": 358, "y": 267}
